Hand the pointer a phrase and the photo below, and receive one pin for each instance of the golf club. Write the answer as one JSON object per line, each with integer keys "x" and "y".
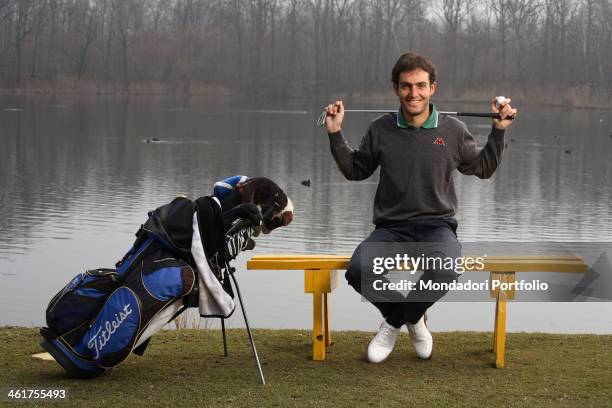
{"x": 500, "y": 99}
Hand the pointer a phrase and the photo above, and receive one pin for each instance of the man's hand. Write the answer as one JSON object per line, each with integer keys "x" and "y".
{"x": 335, "y": 116}
{"x": 505, "y": 111}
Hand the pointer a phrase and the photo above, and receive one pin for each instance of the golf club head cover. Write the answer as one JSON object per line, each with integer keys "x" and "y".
{"x": 247, "y": 211}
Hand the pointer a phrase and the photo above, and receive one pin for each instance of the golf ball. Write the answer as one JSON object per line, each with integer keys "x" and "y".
{"x": 500, "y": 100}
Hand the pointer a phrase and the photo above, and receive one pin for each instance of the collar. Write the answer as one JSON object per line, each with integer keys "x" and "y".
{"x": 430, "y": 123}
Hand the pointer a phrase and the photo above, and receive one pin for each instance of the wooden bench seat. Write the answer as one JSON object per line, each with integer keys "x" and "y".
{"x": 321, "y": 278}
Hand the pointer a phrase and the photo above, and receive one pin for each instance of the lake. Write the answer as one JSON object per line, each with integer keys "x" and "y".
{"x": 77, "y": 179}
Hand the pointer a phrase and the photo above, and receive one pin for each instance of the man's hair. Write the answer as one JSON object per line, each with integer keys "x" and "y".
{"x": 409, "y": 62}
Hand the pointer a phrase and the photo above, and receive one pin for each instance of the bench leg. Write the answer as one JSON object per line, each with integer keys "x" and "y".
{"x": 328, "y": 340}
{"x": 318, "y": 344}
{"x": 320, "y": 283}
{"x": 500, "y": 330}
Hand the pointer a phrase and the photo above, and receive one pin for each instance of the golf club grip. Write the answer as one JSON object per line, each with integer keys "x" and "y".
{"x": 483, "y": 115}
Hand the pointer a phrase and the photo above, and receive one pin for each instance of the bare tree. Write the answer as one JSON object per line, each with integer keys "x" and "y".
{"x": 22, "y": 30}
{"x": 500, "y": 12}
{"x": 476, "y": 39}
{"x": 604, "y": 45}
{"x": 307, "y": 46}
{"x": 4, "y": 10}
{"x": 454, "y": 13}
{"x": 82, "y": 29}
{"x": 293, "y": 18}
{"x": 38, "y": 28}
{"x": 522, "y": 20}
{"x": 259, "y": 17}
{"x": 563, "y": 10}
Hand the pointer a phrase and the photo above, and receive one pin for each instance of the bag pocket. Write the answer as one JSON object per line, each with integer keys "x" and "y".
{"x": 80, "y": 300}
{"x": 167, "y": 279}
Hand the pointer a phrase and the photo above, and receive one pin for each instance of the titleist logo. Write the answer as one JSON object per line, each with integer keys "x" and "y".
{"x": 103, "y": 335}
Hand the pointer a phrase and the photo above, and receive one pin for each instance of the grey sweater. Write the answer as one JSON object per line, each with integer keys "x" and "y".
{"x": 416, "y": 165}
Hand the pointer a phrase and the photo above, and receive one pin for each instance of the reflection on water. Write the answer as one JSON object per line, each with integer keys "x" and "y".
{"x": 77, "y": 178}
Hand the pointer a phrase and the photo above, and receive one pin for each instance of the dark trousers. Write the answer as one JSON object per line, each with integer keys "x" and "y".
{"x": 398, "y": 309}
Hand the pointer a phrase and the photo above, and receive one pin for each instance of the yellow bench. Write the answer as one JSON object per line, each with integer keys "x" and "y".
{"x": 321, "y": 278}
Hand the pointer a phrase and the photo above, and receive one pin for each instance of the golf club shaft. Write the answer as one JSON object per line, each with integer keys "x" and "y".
{"x": 473, "y": 114}
{"x": 493, "y": 115}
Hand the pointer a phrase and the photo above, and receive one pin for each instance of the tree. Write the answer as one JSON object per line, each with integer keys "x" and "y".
{"x": 522, "y": 20}
{"x": 454, "y": 13}
{"x": 22, "y": 30}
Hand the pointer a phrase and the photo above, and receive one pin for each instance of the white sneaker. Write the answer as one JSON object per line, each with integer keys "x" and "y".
{"x": 421, "y": 339}
{"x": 382, "y": 344}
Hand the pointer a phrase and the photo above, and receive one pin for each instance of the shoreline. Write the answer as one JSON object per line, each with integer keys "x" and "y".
{"x": 571, "y": 98}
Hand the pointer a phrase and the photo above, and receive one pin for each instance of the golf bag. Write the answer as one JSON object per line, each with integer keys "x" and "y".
{"x": 102, "y": 315}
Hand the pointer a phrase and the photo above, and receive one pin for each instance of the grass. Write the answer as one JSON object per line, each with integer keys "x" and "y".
{"x": 187, "y": 368}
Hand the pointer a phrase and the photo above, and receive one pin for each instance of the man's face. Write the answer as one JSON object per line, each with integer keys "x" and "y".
{"x": 414, "y": 91}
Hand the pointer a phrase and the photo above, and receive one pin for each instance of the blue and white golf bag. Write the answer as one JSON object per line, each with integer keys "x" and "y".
{"x": 179, "y": 259}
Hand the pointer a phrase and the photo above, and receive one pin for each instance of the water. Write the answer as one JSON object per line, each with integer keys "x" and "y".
{"x": 77, "y": 179}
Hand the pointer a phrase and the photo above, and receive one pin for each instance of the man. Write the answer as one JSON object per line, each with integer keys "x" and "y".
{"x": 417, "y": 151}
